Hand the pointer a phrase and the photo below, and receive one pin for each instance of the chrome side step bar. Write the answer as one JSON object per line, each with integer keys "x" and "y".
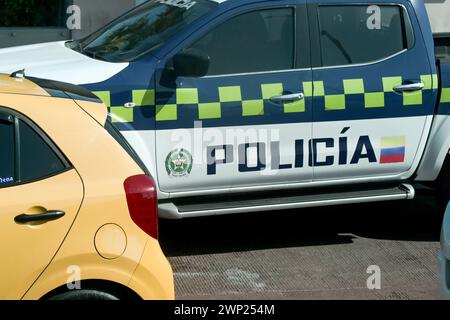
{"x": 179, "y": 210}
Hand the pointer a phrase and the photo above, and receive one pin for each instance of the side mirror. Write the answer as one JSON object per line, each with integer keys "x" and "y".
{"x": 191, "y": 63}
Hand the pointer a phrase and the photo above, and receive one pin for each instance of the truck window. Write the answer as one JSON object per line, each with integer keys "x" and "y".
{"x": 7, "y": 158}
{"x": 354, "y": 34}
{"x": 252, "y": 42}
{"x": 142, "y": 30}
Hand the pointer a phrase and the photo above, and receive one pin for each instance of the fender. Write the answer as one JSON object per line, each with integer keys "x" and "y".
{"x": 439, "y": 142}
{"x": 57, "y": 275}
{"x": 436, "y": 151}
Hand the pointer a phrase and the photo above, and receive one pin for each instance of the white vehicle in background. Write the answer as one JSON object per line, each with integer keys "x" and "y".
{"x": 444, "y": 257}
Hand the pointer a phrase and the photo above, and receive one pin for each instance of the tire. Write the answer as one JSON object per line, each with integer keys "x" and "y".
{"x": 84, "y": 295}
{"x": 443, "y": 186}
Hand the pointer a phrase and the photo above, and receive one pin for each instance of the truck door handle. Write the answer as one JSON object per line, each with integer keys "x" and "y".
{"x": 410, "y": 87}
{"x": 42, "y": 217}
{"x": 289, "y": 98}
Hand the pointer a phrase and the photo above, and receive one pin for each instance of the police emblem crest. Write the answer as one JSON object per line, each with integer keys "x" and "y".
{"x": 179, "y": 163}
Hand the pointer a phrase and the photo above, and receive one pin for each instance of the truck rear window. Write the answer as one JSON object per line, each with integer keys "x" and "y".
{"x": 354, "y": 34}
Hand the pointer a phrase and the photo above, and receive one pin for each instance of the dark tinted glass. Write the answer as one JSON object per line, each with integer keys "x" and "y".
{"x": 252, "y": 42}
{"x": 143, "y": 29}
{"x": 37, "y": 159}
{"x": 7, "y": 175}
{"x": 350, "y": 35}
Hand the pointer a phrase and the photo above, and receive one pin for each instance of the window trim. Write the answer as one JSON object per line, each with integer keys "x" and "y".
{"x": 17, "y": 116}
{"x": 405, "y": 19}
{"x": 296, "y": 8}
{"x": 254, "y": 73}
{"x": 361, "y": 64}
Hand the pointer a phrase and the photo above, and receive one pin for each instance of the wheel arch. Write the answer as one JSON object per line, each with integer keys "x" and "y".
{"x": 116, "y": 289}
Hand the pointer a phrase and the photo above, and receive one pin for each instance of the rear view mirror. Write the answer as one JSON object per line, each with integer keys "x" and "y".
{"x": 191, "y": 63}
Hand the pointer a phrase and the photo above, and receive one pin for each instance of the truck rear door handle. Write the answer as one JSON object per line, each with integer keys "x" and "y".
{"x": 42, "y": 217}
{"x": 410, "y": 87}
{"x": 289, "y": 98}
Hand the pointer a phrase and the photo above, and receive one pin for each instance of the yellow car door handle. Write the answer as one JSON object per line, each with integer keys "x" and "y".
{"x": 42, "y": 217}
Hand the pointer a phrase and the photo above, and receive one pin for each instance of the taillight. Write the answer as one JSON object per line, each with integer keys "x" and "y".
{"x": 142, "y": 203}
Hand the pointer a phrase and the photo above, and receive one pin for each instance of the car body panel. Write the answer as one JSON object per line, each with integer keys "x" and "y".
{"x": 20, "y": 86}
{"x": 438, "y": 145}
{"x": 31, "y": 248}
{"x": 394, "y": 118}
{"x": 100, "y": 191}
{"x": 99, "y": 114}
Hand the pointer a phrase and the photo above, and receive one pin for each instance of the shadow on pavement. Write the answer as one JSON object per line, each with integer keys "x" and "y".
{"x": 417, "y": 220}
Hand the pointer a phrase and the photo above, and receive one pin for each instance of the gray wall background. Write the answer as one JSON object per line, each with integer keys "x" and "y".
{"x": 94, "y": 15}
{"x": 439, "y": 12}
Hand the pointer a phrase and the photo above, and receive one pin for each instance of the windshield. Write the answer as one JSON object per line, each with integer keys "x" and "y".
{"x": 142, "y": 30}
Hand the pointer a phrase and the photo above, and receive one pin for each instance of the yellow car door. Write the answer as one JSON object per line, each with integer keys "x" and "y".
{"x": 40, "y": 195}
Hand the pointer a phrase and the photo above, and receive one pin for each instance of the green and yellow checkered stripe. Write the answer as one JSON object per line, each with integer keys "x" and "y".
{"x": 256, "y": 107}
{"x": 227, "y": 94}
{"x": 445, "y": 95}
{"x": 141, "y": 98}
{"x": 374, "y": 99}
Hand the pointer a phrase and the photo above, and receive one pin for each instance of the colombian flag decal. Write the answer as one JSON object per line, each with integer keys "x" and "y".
{"x": 393, "y": 150}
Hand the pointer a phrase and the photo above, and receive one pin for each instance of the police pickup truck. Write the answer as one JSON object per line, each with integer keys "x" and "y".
{"x": 240, "y": 106}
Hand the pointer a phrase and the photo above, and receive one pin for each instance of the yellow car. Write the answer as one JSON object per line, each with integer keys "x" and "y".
{"x": 78, "y": 210}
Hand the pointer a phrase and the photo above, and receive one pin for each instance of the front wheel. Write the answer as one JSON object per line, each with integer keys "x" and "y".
{"x": 84, "y": 295}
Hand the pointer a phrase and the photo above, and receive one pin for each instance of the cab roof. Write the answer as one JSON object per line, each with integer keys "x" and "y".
{"x": 18, "y": 83}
